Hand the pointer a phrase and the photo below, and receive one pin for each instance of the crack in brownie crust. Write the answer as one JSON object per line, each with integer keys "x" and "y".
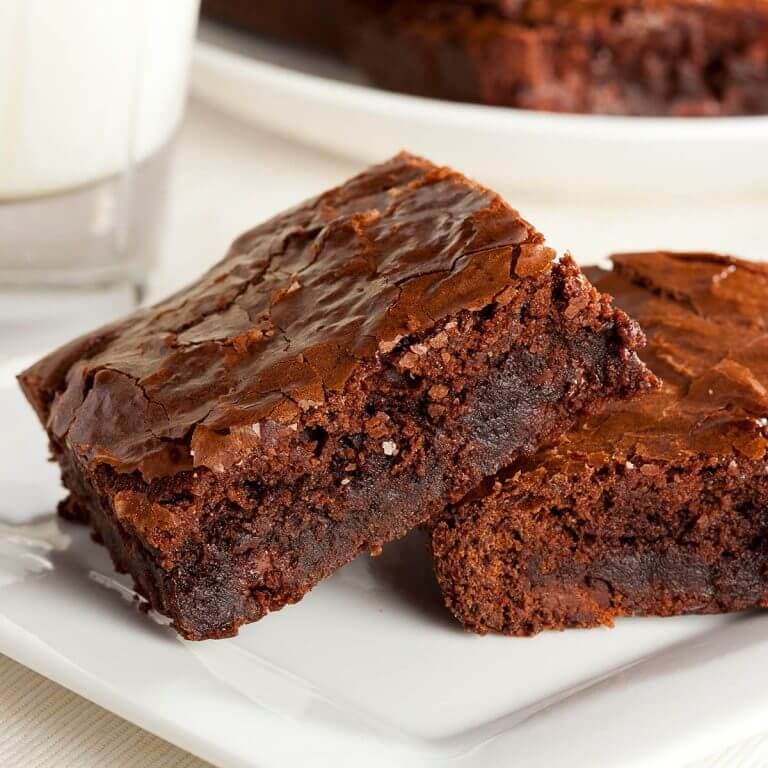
{"x": 656, "y": 506}
{"x": 349, "y": 367}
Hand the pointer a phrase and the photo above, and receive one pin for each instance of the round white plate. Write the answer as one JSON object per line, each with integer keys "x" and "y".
{"x": 316, "y": 101}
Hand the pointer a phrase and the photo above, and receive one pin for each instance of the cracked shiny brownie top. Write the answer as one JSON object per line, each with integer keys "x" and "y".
{"x": 706, "y": 317}
{"x": 349, "y": 367}
{"x": 286, "y": 317}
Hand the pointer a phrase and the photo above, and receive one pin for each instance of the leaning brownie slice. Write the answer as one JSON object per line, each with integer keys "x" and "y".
{"x": 349, "y": 367}
{"x": 656, "y": 506}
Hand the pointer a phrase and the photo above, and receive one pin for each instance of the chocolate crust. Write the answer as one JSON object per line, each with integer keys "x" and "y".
{"x": 347, "y": 368}
{"x": 659, "y": 505}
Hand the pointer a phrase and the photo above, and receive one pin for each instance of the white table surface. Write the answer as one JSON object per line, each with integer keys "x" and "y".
{"x": 228, "y": 176}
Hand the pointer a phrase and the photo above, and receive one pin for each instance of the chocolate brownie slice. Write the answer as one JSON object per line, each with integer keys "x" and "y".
{"x": 348, "y": 368}
{"x": 656, "y": 506}
{"x": 320, "y": 24}
{"x": 634, "y": 57}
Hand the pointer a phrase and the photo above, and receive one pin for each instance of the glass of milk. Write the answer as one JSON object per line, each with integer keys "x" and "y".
{"x": 91, "y": 92}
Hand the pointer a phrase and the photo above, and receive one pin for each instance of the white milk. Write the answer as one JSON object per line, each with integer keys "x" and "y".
{"x": 87, "y": 88}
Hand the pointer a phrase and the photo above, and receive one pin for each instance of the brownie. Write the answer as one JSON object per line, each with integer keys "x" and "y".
{"x": 318, "y": 24}
{"x": 634, "y": 57}
{"x": 659, "y": 505}
{"x": 326, "y": 25}
{"x": 349, "y": 367}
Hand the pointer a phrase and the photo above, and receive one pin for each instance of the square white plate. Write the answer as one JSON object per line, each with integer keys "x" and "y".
{"x": 368, "y": 669}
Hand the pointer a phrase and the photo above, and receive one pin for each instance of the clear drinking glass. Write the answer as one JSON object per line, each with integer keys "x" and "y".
{"x": 91, "y": 92}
